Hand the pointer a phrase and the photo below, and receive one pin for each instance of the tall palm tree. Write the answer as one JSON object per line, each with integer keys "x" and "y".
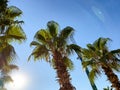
{"x": 52, "y": 46}
{"x": 10, "y": 31}
{"x": 99, "y": 57}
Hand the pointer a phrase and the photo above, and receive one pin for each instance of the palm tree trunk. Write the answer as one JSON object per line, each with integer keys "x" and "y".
{"x": 62, "y": 72}
{"x": 112, "y": 77}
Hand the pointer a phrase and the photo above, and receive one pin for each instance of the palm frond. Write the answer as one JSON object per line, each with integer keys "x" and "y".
{"x": 101, "y": 42}
{"x": 53, "y": 28}
{"x": 92, "y": 76}
{"x": 43, "y": 36}
{"x": 115, "y": 67}
{"x": 15, "y": 32}
{"x": 12, "y": 67}
{"x": 113, "y": 57}
{"x": 115, "y": 52}
{"x": 40, "y": 52}
{"x": 86, "y": 53}
{"x": 94, "y": 72}
{"x": 34, "y": 43}
{"x": 8, "y": 68}
{"x": 16, "y": 22}
{"x": 7, "y": 79}
{"x": 74, "y": 48}
{"x": 66, "y": 32}
{"x": 13, "y": 12}
{"x": 7, "y": 53}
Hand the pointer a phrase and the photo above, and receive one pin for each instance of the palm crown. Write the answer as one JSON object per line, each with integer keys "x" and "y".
{"x": 48, "y": 40}
{"x": 98, "y": 56}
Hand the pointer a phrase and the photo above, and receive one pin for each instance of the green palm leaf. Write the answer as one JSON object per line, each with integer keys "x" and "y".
{"x": 43, "y": 36}
{"x": 15, "y": 32}
{"x": 66, "y": 32}
{"x": 53, "y": 28}
{"x": 92, "y": 75}
{"x": 34, "y": 43}
{"x": 74, "y": 48}
{"x": 40, "y": 52}
{"x": 13, "y": 12}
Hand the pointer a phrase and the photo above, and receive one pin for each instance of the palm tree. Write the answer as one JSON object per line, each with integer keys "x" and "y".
{"x": 98, "y": 56}
{"x": 10, "y": 31}
{"x": 52, "y": 46}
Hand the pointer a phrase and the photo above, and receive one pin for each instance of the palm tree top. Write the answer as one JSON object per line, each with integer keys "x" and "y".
{"x": 52, "y": 35}
{"x": 46, "y": 41}
{"x": 98, "y": 55}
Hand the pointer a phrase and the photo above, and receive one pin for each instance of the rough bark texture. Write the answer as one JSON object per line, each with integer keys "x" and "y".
{"x": 62, "y": 73}
{"x": 112, "y": 77}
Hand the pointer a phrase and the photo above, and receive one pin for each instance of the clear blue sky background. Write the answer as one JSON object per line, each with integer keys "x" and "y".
{"x": 90, "y": 19}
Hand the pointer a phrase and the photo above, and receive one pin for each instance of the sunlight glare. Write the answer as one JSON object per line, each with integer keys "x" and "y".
{"x": 20, "y": 81}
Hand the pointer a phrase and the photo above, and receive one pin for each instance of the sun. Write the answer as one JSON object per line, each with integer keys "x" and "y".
{"x": 20, "y": 81}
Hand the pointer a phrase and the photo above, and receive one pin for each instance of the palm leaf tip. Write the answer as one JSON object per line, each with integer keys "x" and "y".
{"x": 101, "y": 42}
{"x": 115, "y": 51}
{"x": 29, "y": 57}
{"x": 34, "y": 43}
{"x": 53, "y": 28}
{"x": 13, "y": 11}
{"x": 67, "y": 32}
{"x": 75, "y": 47}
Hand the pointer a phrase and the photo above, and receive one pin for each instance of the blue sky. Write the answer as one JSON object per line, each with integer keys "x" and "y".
{"x": 90, "y": 19}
